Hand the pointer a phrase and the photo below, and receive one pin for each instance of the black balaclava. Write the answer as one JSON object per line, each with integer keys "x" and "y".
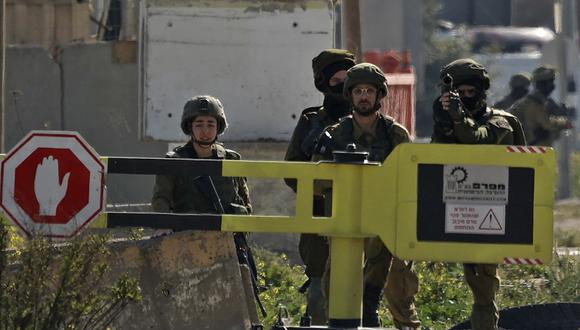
{"x": 519, "y": 92}
{"x": 476, "y": 104}
{"x": 545, "y": 87}
{"x": 334, "y": 102}
{"x": 336, "y": 106}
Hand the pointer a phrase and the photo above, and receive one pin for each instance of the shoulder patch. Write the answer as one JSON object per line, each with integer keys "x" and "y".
{"x": 232, "y": 154}
{"x": 502, "y": 113}
{"x": 500, "y": 122}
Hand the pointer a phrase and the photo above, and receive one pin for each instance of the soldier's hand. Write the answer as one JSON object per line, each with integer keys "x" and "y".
{"x": 444, "y": 99}
{"x": 452, "y": 104}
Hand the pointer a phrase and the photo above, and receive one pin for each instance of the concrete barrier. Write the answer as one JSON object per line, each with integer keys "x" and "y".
{"x": 189, "y": 280}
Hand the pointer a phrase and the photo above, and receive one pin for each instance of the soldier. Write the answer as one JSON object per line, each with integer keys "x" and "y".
{"x": 461, "y": 116}
{"x": 519, "y": 84}
{"x": 203, "y": 119}
{"x": 371, "y": 131}
{"x": 329, "y": 69}
{"x": 542, "y": 118}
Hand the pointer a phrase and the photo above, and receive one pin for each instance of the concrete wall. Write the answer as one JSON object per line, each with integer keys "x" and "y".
{"x": 98, "y": 99}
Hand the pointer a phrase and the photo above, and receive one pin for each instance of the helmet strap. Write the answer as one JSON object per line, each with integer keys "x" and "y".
{"x": 378, "y": 100}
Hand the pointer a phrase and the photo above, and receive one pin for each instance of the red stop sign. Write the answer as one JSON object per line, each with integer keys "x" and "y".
{"x": 52, "y": 184}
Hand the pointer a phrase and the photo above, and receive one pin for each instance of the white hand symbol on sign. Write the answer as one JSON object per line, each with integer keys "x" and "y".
{"x": 49, "y": 192}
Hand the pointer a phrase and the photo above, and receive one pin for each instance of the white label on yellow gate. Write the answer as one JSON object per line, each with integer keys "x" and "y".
{"x": 475, "y": 219}
{"x": 474, "y": 184}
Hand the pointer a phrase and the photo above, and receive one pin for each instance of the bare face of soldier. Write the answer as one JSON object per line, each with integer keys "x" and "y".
{"x": 204, "y": 131}
{"x": 364, "y": 98}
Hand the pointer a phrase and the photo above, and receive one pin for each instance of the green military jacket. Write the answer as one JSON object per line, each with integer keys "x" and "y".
{"x": 305, "y": 136}
{"x": 184, "y": 194}
{"x": 505, "y": 103}
{"x": 386, "y": 135}
{"x": 492, "y": 127}
{"x": 540, "y": 126}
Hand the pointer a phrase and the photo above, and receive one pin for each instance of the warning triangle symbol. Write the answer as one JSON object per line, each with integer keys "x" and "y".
{"x": 490, "y": 222}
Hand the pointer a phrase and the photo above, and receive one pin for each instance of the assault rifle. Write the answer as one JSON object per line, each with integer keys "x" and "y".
{"x": 245, "y": 256}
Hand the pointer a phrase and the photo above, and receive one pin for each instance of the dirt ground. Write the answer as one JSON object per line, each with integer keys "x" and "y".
{"x": 567, "y": 214}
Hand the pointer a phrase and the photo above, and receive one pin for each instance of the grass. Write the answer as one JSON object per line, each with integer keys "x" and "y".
{"x": 444, "y": 298}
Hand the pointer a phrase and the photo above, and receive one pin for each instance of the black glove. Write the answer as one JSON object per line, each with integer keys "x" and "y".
{"x": 456, "y": 109}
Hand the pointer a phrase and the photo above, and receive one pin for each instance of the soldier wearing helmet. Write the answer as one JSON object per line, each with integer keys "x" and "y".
{"x": 519, "y": 84}
{"x": 329, "y": 68}
{"x": 462, "y": 116}
{"x": 371, "y": 131}
{"x": 203, "y": 119}
{"x": 542, "y": 118}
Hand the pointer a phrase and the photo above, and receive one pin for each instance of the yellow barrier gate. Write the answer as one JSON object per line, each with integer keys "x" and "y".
{"x": 456, "y": 203}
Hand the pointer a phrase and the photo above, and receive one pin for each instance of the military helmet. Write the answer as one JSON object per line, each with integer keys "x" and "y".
{"x": 366, "y": 73}
{"x": 333, "y": 59}
{"x": 520, "y": 80}
{"x": 465, "y": 70}
{"x": 544, "y": 72}
{"x": 203, "y": 105}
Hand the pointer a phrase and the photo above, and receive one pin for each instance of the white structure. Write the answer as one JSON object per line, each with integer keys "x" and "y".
{"x": 255, "y": 58}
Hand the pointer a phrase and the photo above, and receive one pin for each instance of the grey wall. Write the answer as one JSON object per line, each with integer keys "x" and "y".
{"x": 99, "y": 99}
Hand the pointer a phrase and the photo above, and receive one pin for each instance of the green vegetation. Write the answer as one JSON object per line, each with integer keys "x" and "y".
{"x": 444, "y": 298}
{"x": 280, "y": 282}
{"x": 59, "y": 286}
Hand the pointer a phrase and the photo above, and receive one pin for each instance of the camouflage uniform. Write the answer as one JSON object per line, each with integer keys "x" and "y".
{"x": 480, "y": 125}
{"x": 542, "y": 118}
{"x": 312, "y": 247}
{"x": 381, "y": 267}
{"x": 184, "y": 193}
{"x": 519, "y": 84}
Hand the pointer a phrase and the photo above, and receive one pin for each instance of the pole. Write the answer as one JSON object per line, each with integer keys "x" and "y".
{"x": 565, "y": 19}
{"x": 350, "y": 11}
{"x": 2, "y": 70}
{"x": 346, "y": 278}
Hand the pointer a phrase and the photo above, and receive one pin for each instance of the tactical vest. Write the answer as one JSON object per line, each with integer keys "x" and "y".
{"x": 318, "y": 122}
{"x": 189, "y": 196}
{"x": 378, "y": 150}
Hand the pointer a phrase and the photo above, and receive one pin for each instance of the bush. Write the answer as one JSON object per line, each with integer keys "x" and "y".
{"x": 444, "y": 298}
{"x": 279, "y": 282}
{"x": 49, "y": 286}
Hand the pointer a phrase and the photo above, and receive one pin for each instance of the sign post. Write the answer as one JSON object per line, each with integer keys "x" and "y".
{"x": 52, "y": 184}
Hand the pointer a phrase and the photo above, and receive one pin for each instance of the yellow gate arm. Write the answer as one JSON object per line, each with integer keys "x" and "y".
{"x": 457, "y": 203}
